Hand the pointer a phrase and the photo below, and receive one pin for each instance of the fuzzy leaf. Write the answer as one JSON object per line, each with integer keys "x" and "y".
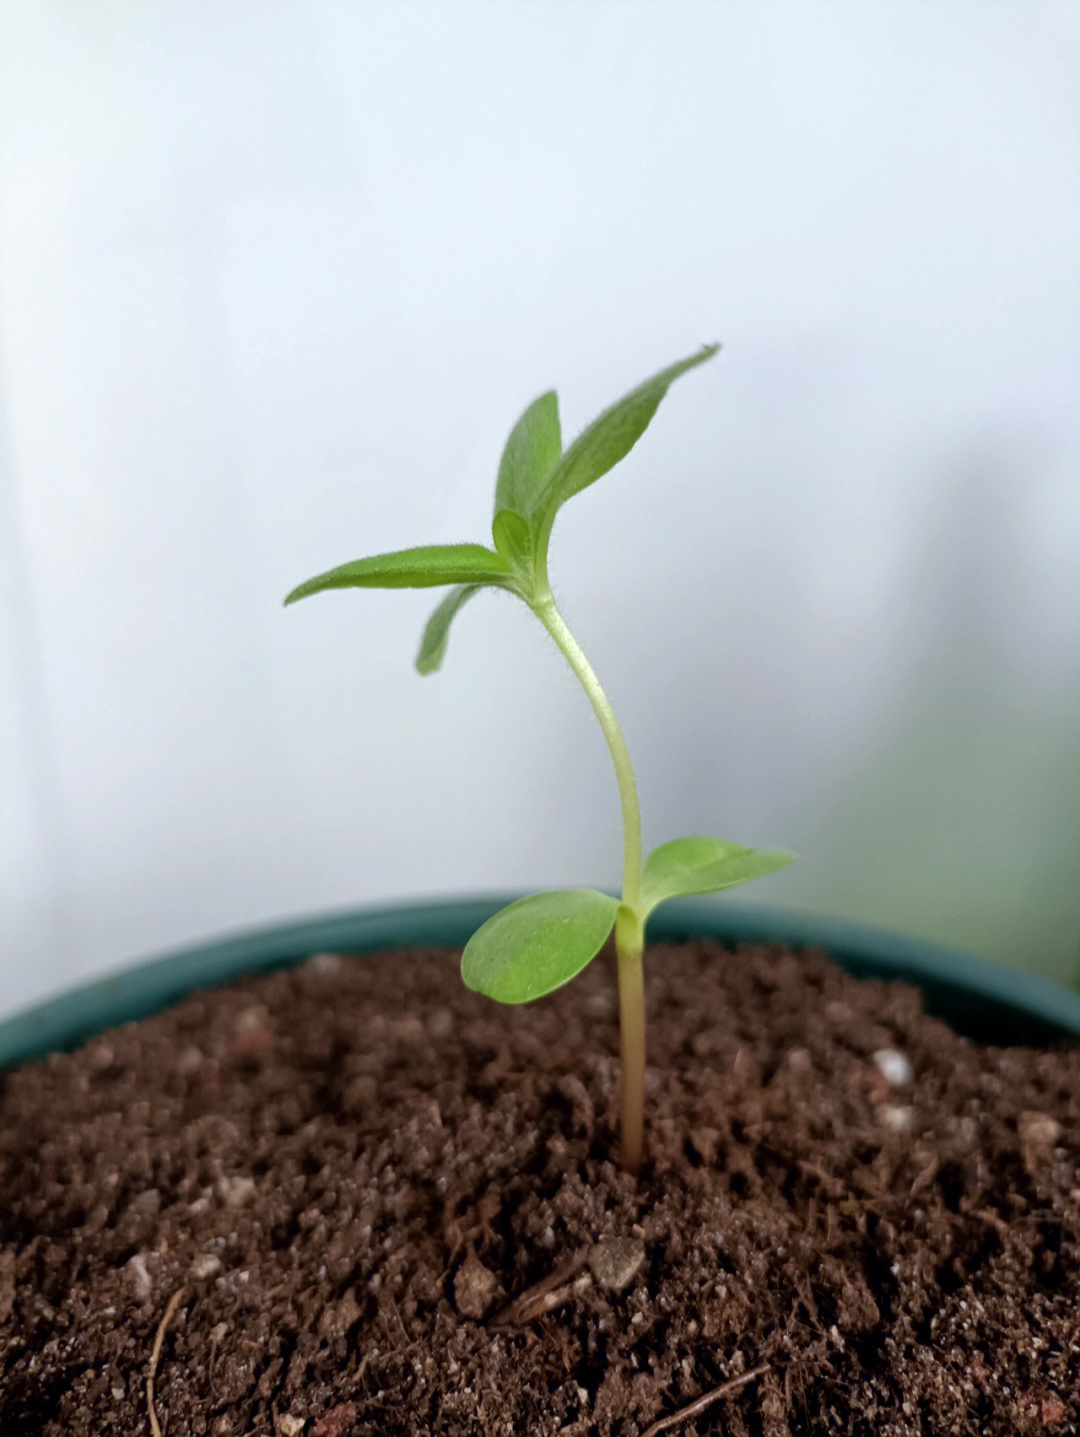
{"x": 703, "y": 865}
{"x": 433, "y": 642}
{"x": 531, "y": 452}
{"x": 421, "y": 568}
{"x": 606, "y": 441}
{"x": 537, "y": 944}
{"x": 514, "y": 541}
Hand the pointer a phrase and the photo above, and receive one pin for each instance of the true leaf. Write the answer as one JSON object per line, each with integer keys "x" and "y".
{"x": 703, "y": 865}
{"x": 531, "y": 452}
{"x": 537, "y": 944}
{"x": 421, "y": 568}
{"x": 433, "y": 641}
{"x": 514, "y": 541}
{"x": 606, "y": 441}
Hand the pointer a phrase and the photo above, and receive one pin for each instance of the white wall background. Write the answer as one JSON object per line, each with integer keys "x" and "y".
{"x": 276, "y": 281}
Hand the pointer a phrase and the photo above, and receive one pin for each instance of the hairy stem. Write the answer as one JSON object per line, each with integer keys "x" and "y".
{"x": 629, "y": 927}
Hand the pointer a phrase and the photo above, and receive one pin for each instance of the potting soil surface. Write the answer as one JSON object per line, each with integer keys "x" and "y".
{"x": 354, "y": 1199}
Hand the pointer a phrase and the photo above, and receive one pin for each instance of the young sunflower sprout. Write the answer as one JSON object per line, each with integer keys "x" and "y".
{"x": 539, "y": 943}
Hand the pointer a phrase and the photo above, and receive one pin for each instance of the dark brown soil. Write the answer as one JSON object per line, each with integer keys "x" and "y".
{"x": 356, "y": 1199}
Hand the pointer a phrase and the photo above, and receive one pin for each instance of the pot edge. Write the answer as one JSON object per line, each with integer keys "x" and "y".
{"x": 977, "y": 997}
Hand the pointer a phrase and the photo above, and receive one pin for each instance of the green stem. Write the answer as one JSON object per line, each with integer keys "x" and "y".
{"x": 555, "y": 624}
{"x": 629, "y": 926}
{"x": 629, "y": 945}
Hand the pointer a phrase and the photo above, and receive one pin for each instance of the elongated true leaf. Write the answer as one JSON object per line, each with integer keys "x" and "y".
{"x": 703, "y": 865}
{"x": 531, "y": 452}
{"x": 537, "y": 944}
{"x": 607, "y": 440}
{"x": 433, "y": 641}
{"x": 421, "y": 568}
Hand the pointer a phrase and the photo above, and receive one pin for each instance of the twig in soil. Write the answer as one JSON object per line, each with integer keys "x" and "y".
{"x": 154, "y": 1355}
{"x": 550, "y": 1292}
{"x": 700, "y": 1403}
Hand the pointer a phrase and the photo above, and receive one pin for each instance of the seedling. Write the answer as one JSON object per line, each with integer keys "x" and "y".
{"x": 537, "y": 944}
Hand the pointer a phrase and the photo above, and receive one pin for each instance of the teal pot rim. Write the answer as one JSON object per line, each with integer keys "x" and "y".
{"x": 976, "y": 997}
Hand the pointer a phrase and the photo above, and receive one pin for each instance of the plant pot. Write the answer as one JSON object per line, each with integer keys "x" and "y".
{"x": 321, "y": 1249}
{"x": 978, "y": 999}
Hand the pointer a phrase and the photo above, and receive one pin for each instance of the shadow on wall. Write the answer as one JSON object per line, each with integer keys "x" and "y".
{"x": 960, "y": 821}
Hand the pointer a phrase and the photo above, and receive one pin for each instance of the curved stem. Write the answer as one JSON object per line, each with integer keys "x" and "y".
{"x": 629, "y": 924}
{"x": 555, "y": 624}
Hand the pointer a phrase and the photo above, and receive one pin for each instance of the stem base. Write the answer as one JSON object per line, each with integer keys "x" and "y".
{"x": 632, "y": 1052}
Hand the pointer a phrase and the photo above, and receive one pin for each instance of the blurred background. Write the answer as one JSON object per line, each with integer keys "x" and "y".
{"x": 276, "y": 281}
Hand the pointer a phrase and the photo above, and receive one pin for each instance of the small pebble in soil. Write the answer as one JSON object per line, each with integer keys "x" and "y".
{"x": 1038, "y": 1132}
{"x": 136, "y": 1266}
{"x": 440, "y": 1023}
{"x": 325, "y": 964}
{"x": 253, "y": 1036}
{"x": 601, "y": 1004}
{"x": 894, "y": 1066}
{"x": 896, "y": 1117}
{"x": 236, "y": 1191}
{"x": 100, "y": 1056}
{"x": 615, "y": 1261}
{"x": 1051, "y": 1410}
{"x": 208, "y": 1265}
{"x": 474, "y": 1288}
{"x": 339, "y": 1420}
{"x": 190, "y": 1060}
{"x": 145, "y": 1204}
